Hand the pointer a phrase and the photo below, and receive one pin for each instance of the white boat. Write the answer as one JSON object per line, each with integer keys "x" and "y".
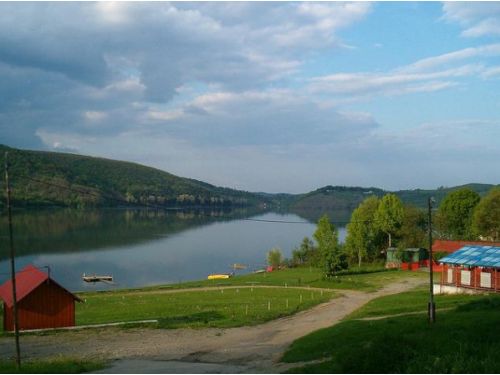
{"x": 96, "y": 278}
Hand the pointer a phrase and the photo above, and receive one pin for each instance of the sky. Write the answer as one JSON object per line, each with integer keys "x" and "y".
{"x": 260, "y": 96}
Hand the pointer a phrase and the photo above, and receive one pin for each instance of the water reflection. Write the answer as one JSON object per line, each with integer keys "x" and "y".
{"x": 141, "y": 247}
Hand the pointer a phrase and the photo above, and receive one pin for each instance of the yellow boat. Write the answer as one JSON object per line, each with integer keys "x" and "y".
{"x": 219, "y": 276}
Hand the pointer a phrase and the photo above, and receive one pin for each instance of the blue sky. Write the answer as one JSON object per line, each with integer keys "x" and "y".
{"x": 276, "y": 97}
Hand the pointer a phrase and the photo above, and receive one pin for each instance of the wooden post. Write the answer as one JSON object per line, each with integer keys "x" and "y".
{"x": 12, "y": 264}
{"x": 431, "y": 306}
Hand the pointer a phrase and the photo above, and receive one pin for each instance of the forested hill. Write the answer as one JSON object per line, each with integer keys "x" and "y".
{"x": 331, "y": 198}
{"x": 40, "y": 178}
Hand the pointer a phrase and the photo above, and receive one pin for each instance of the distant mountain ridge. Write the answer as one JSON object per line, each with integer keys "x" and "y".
{"x": 42, "y": 178}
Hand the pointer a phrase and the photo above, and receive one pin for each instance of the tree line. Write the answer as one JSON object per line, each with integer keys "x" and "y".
{"x": 379, "y": 223}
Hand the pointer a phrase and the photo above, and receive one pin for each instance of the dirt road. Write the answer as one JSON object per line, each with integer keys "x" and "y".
{"x": 235, "y": 350}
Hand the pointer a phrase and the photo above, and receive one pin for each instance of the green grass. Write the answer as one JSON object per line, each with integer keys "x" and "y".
{"x": 197, "y": 309}
{"x": 52, "y": 366}
{"x": 369, "y": 279}
{"x": 465, "y": 339}
{"x": 408, "y": 302}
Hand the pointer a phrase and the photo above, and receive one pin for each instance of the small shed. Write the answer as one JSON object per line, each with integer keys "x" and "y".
{"x": 474, "y": 267}
{"x": 392, "y": 259}
{"x": 408, "y": 259}
{"x": 41, "y": 302}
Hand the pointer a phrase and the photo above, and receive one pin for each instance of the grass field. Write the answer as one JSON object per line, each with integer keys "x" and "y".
{"x": 215, "y": 307}
{"x": 244, "y": 304}
{"x": 54, "y": 366}
{"x": 369, "y": 279}
{"x": 464, "y": 339}
{"x": 241, "y": 305}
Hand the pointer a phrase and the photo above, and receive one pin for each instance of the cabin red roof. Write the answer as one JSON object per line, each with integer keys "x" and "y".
{"x": 449, "y": 246}
{"x": 27, "y": 280}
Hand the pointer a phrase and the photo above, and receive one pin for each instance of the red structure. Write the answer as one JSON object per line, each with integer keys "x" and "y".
{"x": 472, "y": 267}
{"x": 41, "y": 302}
{"x": 482, "y": 278}
{"x": 448, "y": 246}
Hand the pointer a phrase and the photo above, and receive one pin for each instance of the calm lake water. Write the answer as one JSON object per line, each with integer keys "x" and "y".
{"x": 140, "y": 247}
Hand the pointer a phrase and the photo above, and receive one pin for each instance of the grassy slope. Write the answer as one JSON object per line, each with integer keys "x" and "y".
{"x": 464, "y": 339}
{"x": 214, "y": 308}
{"x": 226, "y": 308}
{"x": 309, "y": 277}
{"x": 210, "y": 308}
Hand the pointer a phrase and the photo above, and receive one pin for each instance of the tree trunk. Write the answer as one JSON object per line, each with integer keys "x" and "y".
{"x": 390, "y": 240}
{"x": 359, "y": 259}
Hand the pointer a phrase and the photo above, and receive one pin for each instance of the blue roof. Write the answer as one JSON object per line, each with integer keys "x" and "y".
{"x": 482, "y": 256}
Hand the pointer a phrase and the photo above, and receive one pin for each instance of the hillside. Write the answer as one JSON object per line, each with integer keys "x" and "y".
{"x": 340, "y": 201}
{"x": 40, "y": 178}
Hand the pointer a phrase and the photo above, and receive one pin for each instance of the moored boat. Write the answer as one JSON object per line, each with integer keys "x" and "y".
{"x": 96, "y": 278}
{"x": 219, "y": 276}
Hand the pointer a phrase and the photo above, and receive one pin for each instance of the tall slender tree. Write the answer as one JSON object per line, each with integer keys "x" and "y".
{"x": 327, "y": 238}
{"x": 389, "y": 215}
{"x": 361, "y": 231}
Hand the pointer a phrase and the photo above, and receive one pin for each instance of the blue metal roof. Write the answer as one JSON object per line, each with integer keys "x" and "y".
{"x": 482, "y": 256}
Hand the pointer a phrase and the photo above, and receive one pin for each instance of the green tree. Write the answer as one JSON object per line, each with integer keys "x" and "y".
{"x": 275, "y": 257}
{"x": 486, "y": 216}
{"x": 361, "y": 231}
{"x": 414, "y": 227}
{"x": 306, "y": 253}
{"x": 455, "y": 214}
{"x": 389, "y": 215}
{"x": 326, "y": 237}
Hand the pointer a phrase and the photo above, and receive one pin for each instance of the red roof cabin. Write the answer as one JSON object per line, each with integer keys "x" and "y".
{"x": 41, "y": 302}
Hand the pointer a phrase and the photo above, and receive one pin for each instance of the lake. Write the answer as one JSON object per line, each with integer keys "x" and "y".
{"x": 147, "y": 247}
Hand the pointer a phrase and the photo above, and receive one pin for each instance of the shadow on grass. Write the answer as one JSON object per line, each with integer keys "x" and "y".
{"x": 203, "y": 318}
{"x": 486, "y": 303}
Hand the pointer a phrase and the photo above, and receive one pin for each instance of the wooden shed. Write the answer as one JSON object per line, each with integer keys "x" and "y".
{"x": 41, "y": 302}
{"x": 408, "y": 259}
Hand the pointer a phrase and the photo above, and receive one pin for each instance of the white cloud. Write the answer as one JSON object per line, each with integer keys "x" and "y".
{"x": 430, "y": 74}
{"x": 477, "y": 18}
{"x": 95, "y": 116}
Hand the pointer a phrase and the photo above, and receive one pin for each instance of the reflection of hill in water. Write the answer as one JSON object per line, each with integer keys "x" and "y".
{"x": 66, "y": 230}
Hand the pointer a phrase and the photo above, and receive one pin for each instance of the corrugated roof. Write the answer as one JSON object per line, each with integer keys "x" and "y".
{"x": 482, "y": 256}
{"x": 27, "y": 280}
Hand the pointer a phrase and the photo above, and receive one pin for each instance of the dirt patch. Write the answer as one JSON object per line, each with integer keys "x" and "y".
{"x": 253, "y": 349}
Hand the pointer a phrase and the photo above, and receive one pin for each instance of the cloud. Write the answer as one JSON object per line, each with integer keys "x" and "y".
{"x": 430, "y": 74}
{"x": 476, "y": 18}
{"x": 221, "y": 91}
{"x": 271, "y": 117}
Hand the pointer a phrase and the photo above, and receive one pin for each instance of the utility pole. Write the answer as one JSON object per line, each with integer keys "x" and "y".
{"x": 12, "y": 263}
{"x": 431, "y": 309}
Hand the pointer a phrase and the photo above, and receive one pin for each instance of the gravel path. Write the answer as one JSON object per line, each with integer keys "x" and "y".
{"x": 255, "y": 349}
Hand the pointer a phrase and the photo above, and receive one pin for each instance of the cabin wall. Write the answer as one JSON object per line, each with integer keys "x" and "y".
{"x": 48, "y": 306}
{"x": 480, "y": 278}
